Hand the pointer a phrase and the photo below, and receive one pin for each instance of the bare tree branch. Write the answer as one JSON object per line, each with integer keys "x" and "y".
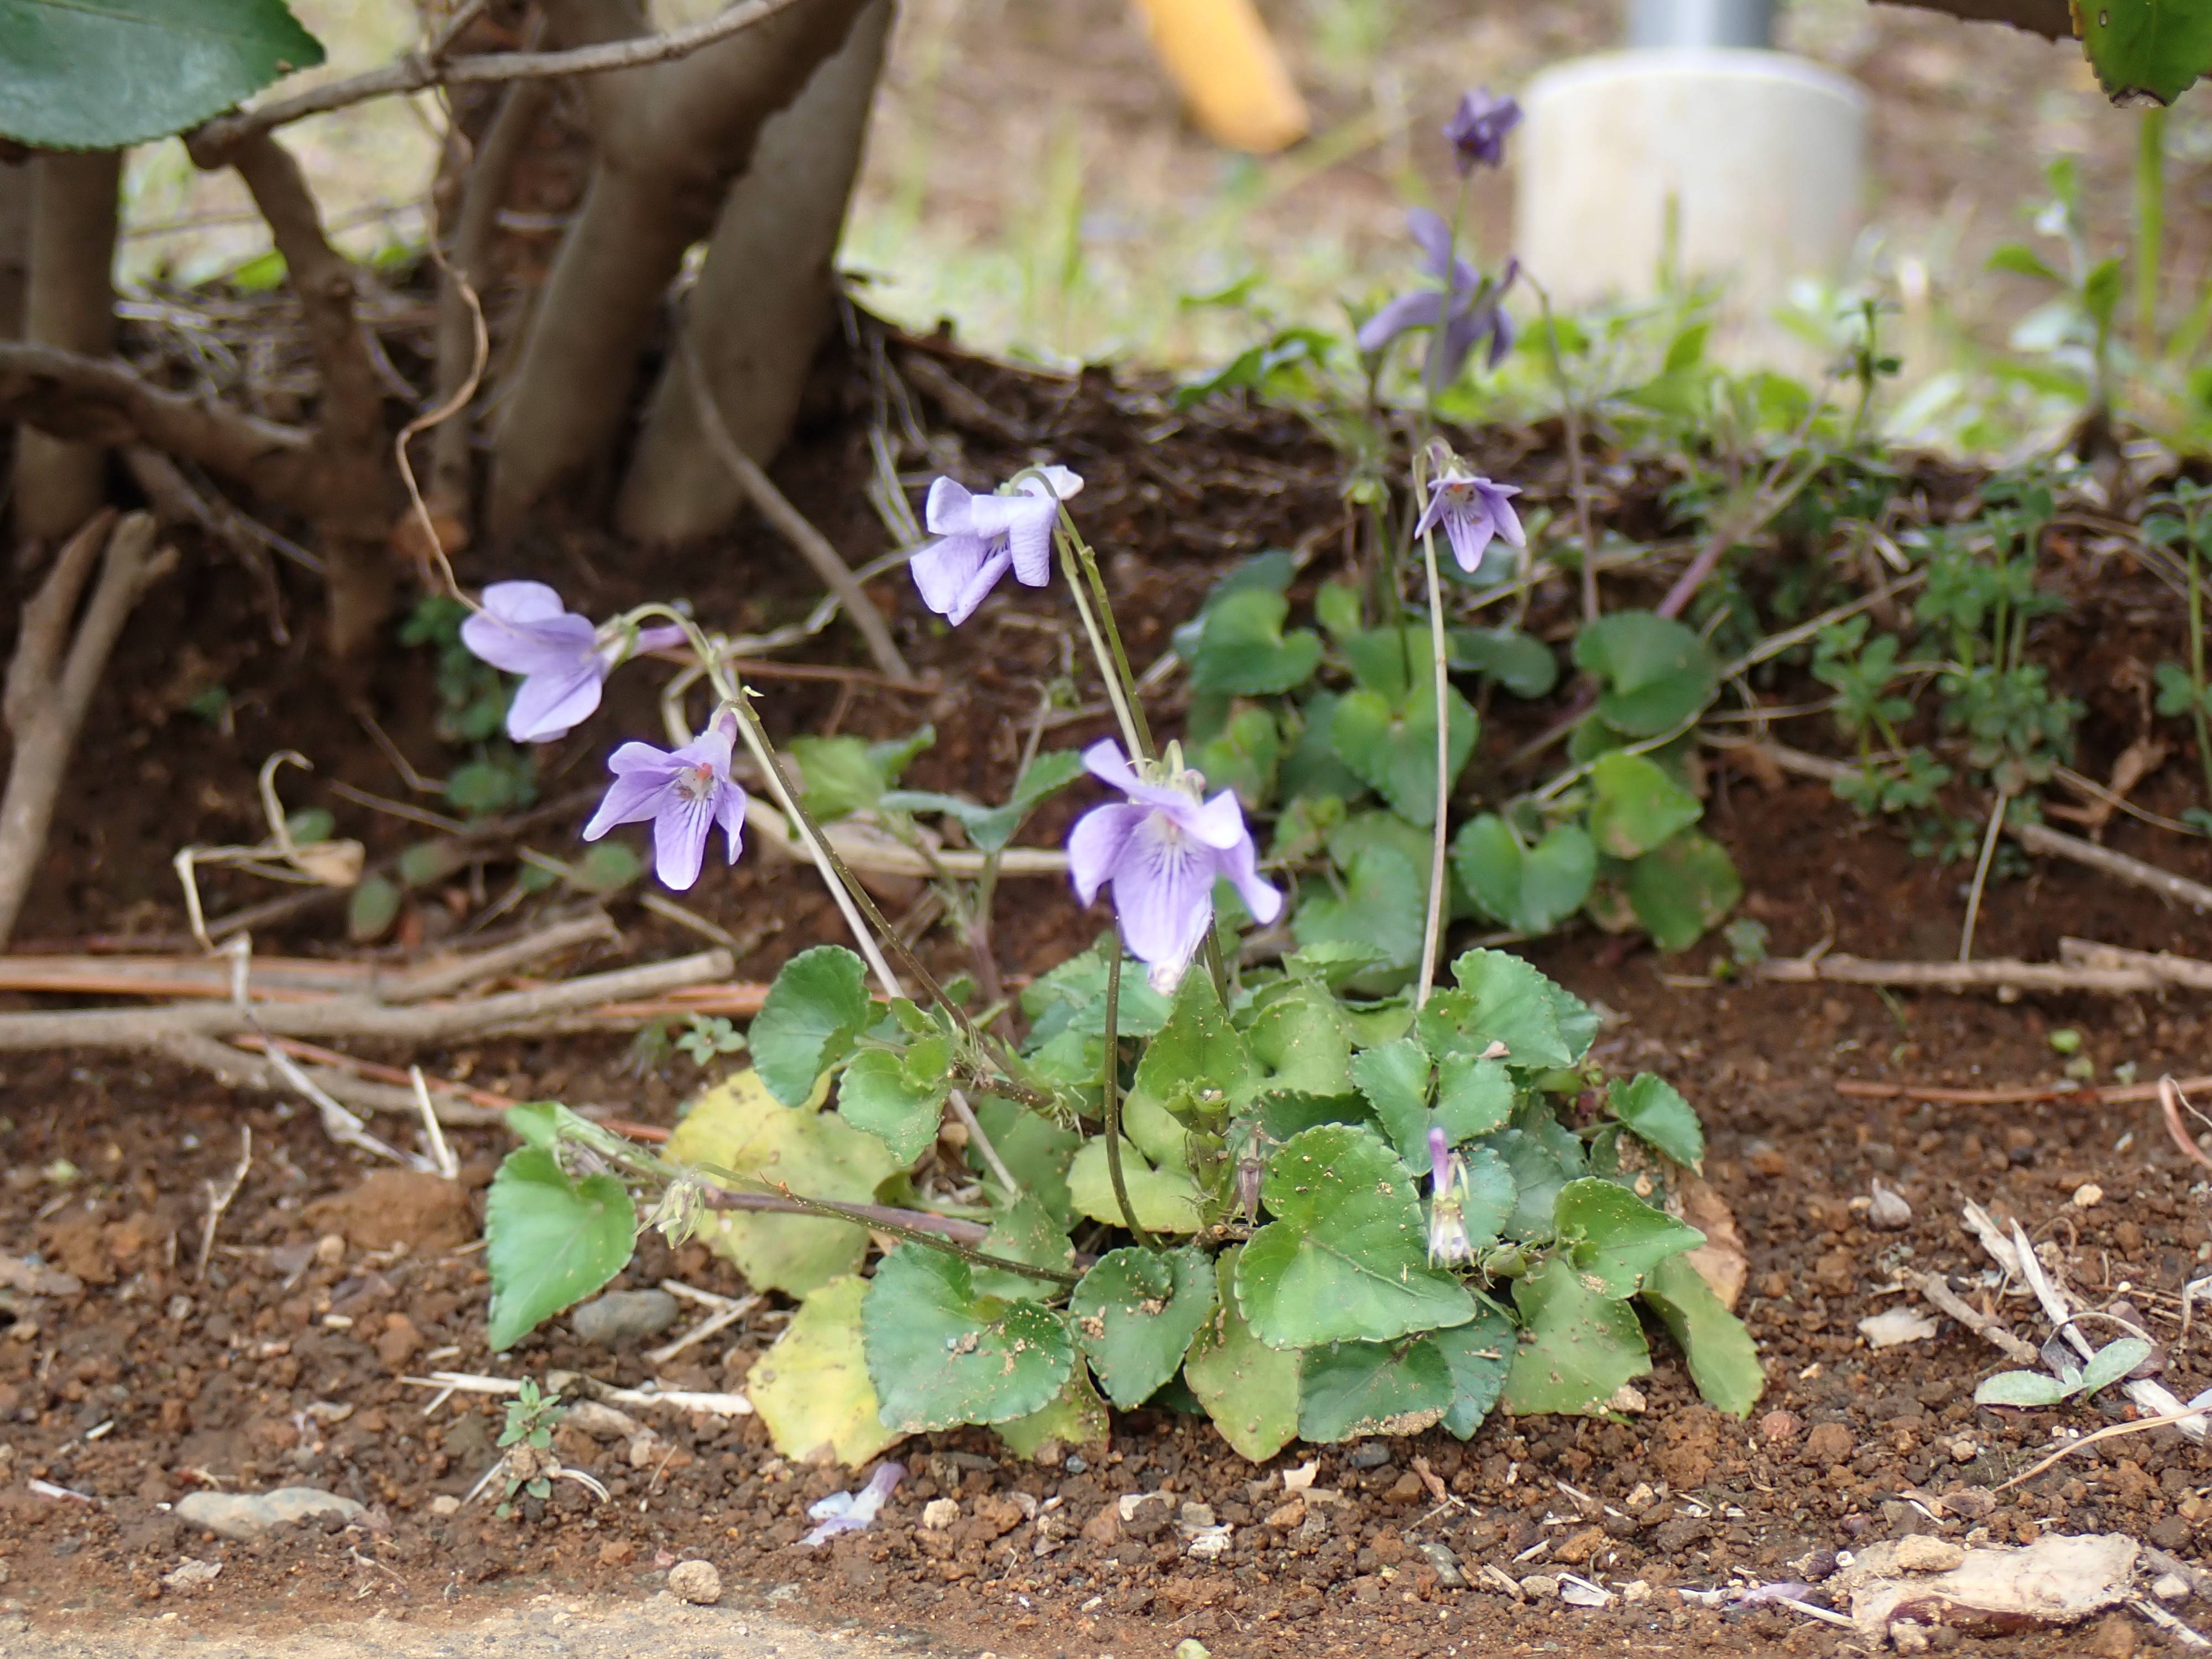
{"x": 49, "y": 691}
{"x": 355, "y": 500}
{"x": 419, "y": 71}
{"x": 69, "y": 303}
{"x": 106, "y": 401}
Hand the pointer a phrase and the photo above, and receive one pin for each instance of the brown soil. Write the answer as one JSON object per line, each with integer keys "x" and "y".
{"x": 329, "y": 1281}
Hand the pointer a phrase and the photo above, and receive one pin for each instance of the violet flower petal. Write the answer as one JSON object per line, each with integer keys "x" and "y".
{"x": 1105, "y": 762}
{"x": 1241, "y": 864}
{"x": 1420, "y": 309}
{"x": 1097, "y": 843}
{"x": 1468, "y": 528}
{"x": 553, "y": 702}
{"x": 1164, "y": 895}
{"x": 946, "y": 510}
{"x": 956, "y": 573}
{"x": 531, "y": 643}
{"x": 679, "y": 838}
{"x": 635, "y": 793}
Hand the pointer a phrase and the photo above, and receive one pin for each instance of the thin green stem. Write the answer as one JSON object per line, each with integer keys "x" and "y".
{"x": 1982, "y": 876}
{"x": 1570, "y": 416}
{"x": 1120, "y": 691}
{"x": 2150, "y": 227}
{"x": 1432, "y": 926}
{"x": 1111, "y": 1080}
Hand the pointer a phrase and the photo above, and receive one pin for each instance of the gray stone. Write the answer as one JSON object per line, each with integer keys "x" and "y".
{"x": 623, "y": 1317}
{"x": 249, "y": 1515}
{"x": 1440, "y": 1557}
{"x": 695, "y": 1581}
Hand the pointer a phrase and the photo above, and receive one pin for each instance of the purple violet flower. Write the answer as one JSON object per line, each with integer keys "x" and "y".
{"x": 979, "y": 538}
{"x": 1477, "y": 129}
{"x": 524, "y": 629}
{"x": 1448, "y": 1239}
{"x": 1463, "y": 310}
{"x": 1472, "y": 512}
{"x": 852, "y": 1511}
{"x": 684, "y": 792}
{"x": 1162, "y": 849}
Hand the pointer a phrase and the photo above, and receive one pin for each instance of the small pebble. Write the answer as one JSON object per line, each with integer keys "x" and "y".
{"x": 1440, "y": 1557}
{"x": 1781, "y": 1428}
{"x": 1372, "y": 1455}
{"x": 695, "y": 1581}
{"x": 1887, "y": 1208}
{"x": 621, "y": 1316}
{"x": 445, "y": 1503}
{"x": 1196, "y": 1517}
{"x": 939, "y": 1513}
{"x": 1541, "y": 1585}
{"x": 249, "y": 1515}
{"x": 330, "y": 1249}
{"x": 2171, "y": 1587}
{"x": 2089, "y": 1195}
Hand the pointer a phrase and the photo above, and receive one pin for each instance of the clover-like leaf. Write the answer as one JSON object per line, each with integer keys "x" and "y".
{"x": 76, "y": 77}
{"x": 1136, "y": 1313}
{"x": 1478, "y": 1354}
{"x": 1614, "y": 1237}
{"x": 1345, "y": 1258}
{"x": 1722, "y": 1359}
{"x": 1658, "y": 672}
{"x": 939, "y": 1355}
{"x": 1250, "y": 1390}
{"x": 1348, "y": 1389}
{"x": 550, "y": 1241}
{"x": 1579, "y": 1345}
{"x": 1653, "y": 1108}
{"x": 1532, "y": 889}
{"x": 812, "y": 1389}
{"x": 817, "y": 1005}
{"x": 1635, "y": 806}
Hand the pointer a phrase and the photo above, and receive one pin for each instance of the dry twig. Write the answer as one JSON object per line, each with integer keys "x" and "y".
{"x": 2146, "y": 976}
{"x": 219, "y": 1198}
{"x": 2027, "y": 1095}
{"x": 1990, "y": 1330}
{"x": 52, "y": 679}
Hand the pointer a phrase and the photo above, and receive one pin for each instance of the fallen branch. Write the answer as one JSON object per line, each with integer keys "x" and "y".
{"x": 1932, "y": 1286}
{"x": 238, "y": 1069}
{"x": 2025, "y": 1095}
{"x": 419, "y": 71}
{"x": 52, "y": 679}
{"x": 353, "y": 1016}
{"x": 793, "y": 525}
{"x": 1994, "y": 974}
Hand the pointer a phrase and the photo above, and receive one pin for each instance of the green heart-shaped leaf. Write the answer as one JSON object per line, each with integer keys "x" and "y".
{"x": 1521, "y": 663}
{"x": 1249, "y": 1389}
{"x": 1242, "y": 650}
{"x": 1243, "y": 756}
{"x": 78, "y": 76}
{"x": 1077, "y": 1417}
{"x": 898, "y": 1098}
{"x": 550, "y": 1241}
{"x": 1614, "y": 1237}
{"x": 1635, "y": 806}
{"x": 1346, "y": 1257}
{"x": 1533, "y": 888}
{"x": 817, "y": 1005}
{"x": 1135, "y": 1315}
{"x": 1022, "y": 1230}
{"x": 1198, "y": 1053}
{"x": 1348, "y": 1389}
{"x": 1657, "y": 1112}
{"x": 1657, "y": 672}
{"x": 2146, "y": 48}
{"x": 1383, "y": 907}
{"x": 940, "y": 1356}
{"x": 1392, "y": 747}
{"x": 1683, "y": 888}
{"x": 1478, "y": 1354}
{"x": 1579, "y": 1345}
{"x": 1165, "y": 1200}
{"x": 1722, "y": 1359}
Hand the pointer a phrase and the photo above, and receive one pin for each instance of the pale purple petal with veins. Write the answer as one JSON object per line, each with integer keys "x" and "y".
{"x": 1105, "y": 762}
{"x": 852, "y": 1511}
{"x": 684, "y": 792}
{"x": 1164, "y": 895}
{"x": 1096, "y": 844}
{"x": 553, "y": 702}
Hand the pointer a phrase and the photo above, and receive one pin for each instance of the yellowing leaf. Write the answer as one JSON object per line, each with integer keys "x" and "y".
{"x": 812, "y": 1389}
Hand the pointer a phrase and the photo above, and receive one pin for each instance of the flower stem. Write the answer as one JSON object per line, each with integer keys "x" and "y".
{"x": 1433, "y": 927}
{"x": 1113, "y": 666}
{"x": 1111, "y": 1080}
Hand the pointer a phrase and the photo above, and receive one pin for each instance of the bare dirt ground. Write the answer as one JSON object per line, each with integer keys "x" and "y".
{"x": 134, "y": 1379}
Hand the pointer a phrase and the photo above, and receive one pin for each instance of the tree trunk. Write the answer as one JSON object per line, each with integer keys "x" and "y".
{"x": 69, "y": 302}
{"x": 763, "y": 300}
{"x": 670, "y": 138}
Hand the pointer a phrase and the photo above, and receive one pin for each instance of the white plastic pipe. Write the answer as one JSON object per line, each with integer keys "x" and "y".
{"x": 1742, "y": 165}
{"x": 1701, "y": 23}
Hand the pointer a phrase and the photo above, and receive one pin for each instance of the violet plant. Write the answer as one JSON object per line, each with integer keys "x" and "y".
{"x": 1237, "y": 1127}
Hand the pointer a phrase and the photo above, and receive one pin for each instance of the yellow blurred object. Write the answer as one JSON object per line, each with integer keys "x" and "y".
{"x": 1229, "y": 72}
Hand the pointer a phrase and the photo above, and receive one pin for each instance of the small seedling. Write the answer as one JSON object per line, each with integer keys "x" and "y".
{"x": 708, "y": 1036}
{"x": 530, "y": 1464}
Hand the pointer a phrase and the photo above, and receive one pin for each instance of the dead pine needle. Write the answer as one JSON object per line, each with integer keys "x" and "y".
{"x": 219, "y": 1199}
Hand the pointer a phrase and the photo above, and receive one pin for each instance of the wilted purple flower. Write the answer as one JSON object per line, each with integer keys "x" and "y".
{"x": 684, "y": 792}
{"x": 1460, "y": 313}
{"x": 524, "y": 629}
{"x": 1477, "y": 129}
{"x": 979, "y": 538}
{"x": 1448, "y": 1239}
{"x": 852, "y": 1511}
{"x": 1162, "y": 849}
{"x": 1472, "y": 510}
